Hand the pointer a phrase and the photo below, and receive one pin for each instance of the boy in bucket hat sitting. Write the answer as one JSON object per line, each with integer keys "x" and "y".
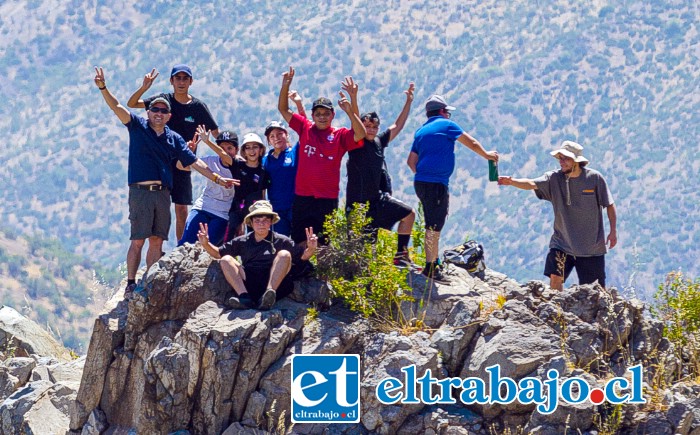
{"x": 578, "y": 195}
{"x": 262, "y": 276}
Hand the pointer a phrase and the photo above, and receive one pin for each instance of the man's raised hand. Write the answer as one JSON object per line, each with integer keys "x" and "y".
{"x": 99, "y": 77}
{"x": 149, "y": 78}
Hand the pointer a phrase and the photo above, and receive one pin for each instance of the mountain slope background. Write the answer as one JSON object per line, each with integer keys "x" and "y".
{"x": 621, "y": 78}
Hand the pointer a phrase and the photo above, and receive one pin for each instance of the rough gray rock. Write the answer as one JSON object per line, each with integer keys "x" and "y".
{"x": 26, "y": 337}
{"x": 175, "y": 360}
{"x": 385, "y": 355}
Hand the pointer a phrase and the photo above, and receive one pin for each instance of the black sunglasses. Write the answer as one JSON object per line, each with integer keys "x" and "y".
{"x": 162, "y": 110}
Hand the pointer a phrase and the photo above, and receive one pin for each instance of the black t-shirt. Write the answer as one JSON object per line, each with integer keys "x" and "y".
{"x": 260, "y": 254}
{"x": 186, "y": 117}
{"x": 365, "y": 169}
{"x": 253, "y": 182}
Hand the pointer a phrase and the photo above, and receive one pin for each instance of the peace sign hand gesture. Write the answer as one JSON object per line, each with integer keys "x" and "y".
{"x": 149, "y": 78}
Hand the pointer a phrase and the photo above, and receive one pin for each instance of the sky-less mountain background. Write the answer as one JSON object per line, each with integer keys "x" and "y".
{"x": 621, "y": 78}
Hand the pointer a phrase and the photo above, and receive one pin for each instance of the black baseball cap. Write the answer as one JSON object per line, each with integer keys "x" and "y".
{"x": 322, "y": 102}
{"x": 371, "y": 116}
{"x": 228, "y": 136}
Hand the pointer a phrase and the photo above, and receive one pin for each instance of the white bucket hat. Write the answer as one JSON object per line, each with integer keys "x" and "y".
{"x": 572, "y": 150}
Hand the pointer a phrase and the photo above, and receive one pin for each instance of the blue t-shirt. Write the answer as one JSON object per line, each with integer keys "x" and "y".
{"x": 434, "y": 143}
{"x": 283, "y": 173}
{"x": 150, "y": 155}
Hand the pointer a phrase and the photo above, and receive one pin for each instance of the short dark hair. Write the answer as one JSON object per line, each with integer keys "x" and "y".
{"x": 370, "y": 116}
{"x": 432, "y": 113}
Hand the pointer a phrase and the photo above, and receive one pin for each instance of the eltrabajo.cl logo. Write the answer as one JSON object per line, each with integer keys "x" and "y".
{"x": 325, "y": 388}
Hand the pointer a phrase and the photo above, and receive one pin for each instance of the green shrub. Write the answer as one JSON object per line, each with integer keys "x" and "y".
{"x": 361, "y": 270}
{"x": 678, "y": 306}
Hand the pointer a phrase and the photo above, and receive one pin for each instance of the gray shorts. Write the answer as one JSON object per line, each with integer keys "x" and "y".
{"x": 149, "y": 213}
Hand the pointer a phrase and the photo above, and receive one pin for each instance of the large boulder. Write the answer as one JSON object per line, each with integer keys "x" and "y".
{"x": 26, "y": 338}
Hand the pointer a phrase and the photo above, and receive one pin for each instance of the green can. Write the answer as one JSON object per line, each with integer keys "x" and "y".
{"x": 493, "y": 170}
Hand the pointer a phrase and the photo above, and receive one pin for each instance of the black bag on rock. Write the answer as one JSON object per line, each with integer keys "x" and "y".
{"x": 469, "y": 255}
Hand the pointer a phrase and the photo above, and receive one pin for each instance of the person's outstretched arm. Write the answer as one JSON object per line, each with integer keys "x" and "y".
{"x": 357, "y": 127}
{"x": 520, "y": 183}
{"x": 282, "y": 100}
{"x": 474, "y": 145}
{"x": 135, "y": 101}
{"x": 119, "y": 110}
{"x": 397, "y": 126}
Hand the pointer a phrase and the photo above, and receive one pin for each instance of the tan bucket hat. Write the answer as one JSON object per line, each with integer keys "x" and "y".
{"x": 572, "y": 150}
{"x": 261, "y": 208}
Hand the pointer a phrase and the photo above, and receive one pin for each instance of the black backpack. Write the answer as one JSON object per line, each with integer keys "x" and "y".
{"x": 469, "y": 255}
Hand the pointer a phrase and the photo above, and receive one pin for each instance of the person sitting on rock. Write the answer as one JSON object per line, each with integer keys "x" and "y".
{"x": 263, "y": 275}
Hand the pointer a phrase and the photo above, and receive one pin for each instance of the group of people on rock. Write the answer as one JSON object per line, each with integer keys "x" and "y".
{"x": 294, "y": 187}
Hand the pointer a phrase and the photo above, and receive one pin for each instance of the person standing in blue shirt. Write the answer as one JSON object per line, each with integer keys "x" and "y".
{"x": 281, "y": 165}
{"x": 432, "y": 160}
{"x": 153, "y": 150}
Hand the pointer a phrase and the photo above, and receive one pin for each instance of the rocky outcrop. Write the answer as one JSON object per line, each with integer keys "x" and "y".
{"x": 36, "y": 390}
{"x": 24, "y": 337}
{"x": 176, "y": 359}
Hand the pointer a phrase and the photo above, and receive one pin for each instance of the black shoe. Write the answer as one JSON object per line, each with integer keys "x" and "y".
{"x": 436, "y": 275}
{"x": 243, "y": 302}
{"x": 268, "y": 299}
{"x": 129, "y": 291}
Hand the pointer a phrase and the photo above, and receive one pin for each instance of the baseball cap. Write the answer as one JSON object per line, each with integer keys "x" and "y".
{"x": 322, "y": 102}
{"x": 160, "y": 100}
{"x": 273, "y": 125}
{"x": 181, "y": 67}
{"x": 437, "y": 102}
{"x": 227, "y": 136}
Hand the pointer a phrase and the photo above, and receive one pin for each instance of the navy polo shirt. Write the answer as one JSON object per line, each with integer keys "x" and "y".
{"x": 151, "y": 156}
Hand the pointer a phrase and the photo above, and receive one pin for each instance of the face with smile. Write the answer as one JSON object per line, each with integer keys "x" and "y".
{"x": 278, "y": 139}
{"x": 251, "y": 152}
{"x": 156, "y": 116}
{"x": 372, "y": 128}
{"x": 322, "y": 117}
{"x": 181, "y": 82}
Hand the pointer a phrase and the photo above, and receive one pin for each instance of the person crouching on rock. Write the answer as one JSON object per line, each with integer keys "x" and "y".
{"x": 262, "y": 277}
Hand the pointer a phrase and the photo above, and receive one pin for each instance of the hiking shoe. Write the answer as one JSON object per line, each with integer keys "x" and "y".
{"x": 268, "y": 299}
{"x": 436, "y": 275}
{"x": 129, "y": 291}
{"x": 403, "y": 261}
{"x": 242, "y": 302}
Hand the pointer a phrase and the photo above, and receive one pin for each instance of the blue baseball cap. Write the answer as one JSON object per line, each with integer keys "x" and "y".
{"x": 181, "y": 67}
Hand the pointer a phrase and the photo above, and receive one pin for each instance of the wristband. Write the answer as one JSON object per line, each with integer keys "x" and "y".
{"x": 102, "y": 88}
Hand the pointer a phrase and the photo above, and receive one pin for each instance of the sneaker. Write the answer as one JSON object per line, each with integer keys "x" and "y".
{"x": 437, "y": 275}
{"x": 268, "y": 299}
{"x": 243, "y": 302}
{"x": 403, "y": 261}
{"x": 129, "y": 291}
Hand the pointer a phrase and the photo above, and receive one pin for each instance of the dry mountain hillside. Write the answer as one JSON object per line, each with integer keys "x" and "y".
{"x": 621, "y": 78}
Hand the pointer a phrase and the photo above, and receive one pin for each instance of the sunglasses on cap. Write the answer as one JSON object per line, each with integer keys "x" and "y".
{"x": 163, "y": 110}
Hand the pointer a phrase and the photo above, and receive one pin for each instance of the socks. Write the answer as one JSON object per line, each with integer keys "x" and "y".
{"x": 402, "y": 246}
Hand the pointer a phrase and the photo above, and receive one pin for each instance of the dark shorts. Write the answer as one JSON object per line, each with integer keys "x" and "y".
{"x": 435, "y": 198}
{"x": 149, "y": 213}
{"x": 256, "y": 280}
{"x": 182, "y": 187}
{"x": 588, "y": 269}
{"x": 308, "y": 211}
{"x": 385, "y": 211}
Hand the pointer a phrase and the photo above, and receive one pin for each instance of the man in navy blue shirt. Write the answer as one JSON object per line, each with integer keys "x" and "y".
{"x": 153, "y": 148}
{"x": 432, "y": 160}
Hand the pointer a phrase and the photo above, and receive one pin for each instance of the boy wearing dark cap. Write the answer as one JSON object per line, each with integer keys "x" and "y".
{"x": 321, "y": 150}
{"x": 188, "y": 113}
